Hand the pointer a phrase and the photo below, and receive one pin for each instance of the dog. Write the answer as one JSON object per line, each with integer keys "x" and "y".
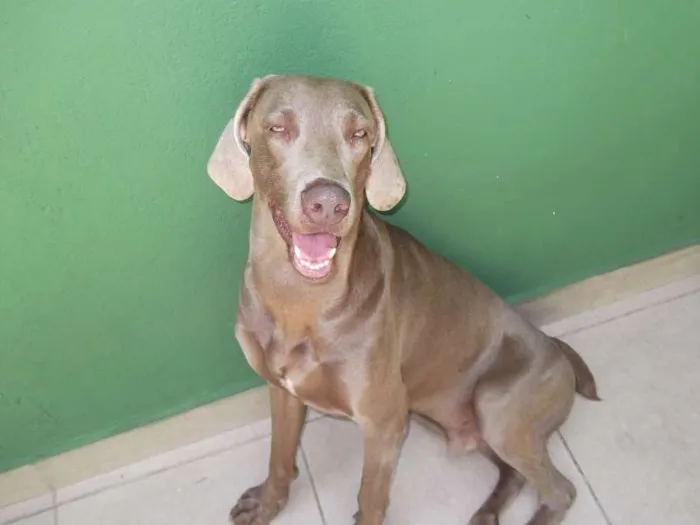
{"x": 345, "y": 313}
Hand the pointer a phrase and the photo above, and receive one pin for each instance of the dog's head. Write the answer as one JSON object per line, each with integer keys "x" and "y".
{"x": 309, "y": 148}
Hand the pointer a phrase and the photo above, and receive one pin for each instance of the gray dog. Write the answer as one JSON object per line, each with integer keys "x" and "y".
{"x": 345, "y": 313}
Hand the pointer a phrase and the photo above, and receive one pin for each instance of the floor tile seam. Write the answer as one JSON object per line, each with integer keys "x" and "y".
{"x": 156, "y": 472}
{"x": 624, "y": 315}
{"x": 589, "y": 486}
{"x": 50, "y": 508}
{"x": 307, "y": 465}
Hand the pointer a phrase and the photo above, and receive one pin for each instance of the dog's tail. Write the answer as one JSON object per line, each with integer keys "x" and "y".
{"x": 585, "y": 382}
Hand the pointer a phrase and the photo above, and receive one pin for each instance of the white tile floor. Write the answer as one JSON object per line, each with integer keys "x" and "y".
{"x": 635, "y": 458}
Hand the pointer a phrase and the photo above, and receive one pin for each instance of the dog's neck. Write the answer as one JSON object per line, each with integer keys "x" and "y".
{"x": 287, "y": 293}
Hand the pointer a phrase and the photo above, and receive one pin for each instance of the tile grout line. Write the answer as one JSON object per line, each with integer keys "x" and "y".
{"x": 599, "y": 504}
{"x": 33, "y": 514}
{"x": 625, "y": 314}
{"x": 156, "y": 472}
{"x": 51, "y": 508}
{"x": 54, "y": 504}
{"x": 313, "y": 484}
{"x": 54, "y": 497}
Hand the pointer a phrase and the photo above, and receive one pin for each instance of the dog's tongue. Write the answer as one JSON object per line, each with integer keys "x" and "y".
{"x": 315, "y": 246}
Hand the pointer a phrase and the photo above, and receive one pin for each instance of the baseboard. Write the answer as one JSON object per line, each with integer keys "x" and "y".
{"x": 601, "y": 290}
{"x": 47, "y": 476}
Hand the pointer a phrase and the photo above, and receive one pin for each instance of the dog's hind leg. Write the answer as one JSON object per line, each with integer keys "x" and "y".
{"x": 526, "y": 452}
{"x": 556, "y": 493}
{"x": 520, "y": 402}
{"x": 509, "y": 484}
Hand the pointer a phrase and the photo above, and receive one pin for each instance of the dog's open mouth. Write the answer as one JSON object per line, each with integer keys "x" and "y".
{"x": 311, "y": 253}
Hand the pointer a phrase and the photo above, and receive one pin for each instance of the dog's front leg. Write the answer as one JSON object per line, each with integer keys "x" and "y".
{"x": 259, "y": 505}
{"x": 383, "y": 437}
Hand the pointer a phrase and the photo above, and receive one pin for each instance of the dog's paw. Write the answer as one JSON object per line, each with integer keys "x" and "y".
{"x": 362, "y": 519}
{"x": 484, "y": 518}
{"x": 254, "y": 507}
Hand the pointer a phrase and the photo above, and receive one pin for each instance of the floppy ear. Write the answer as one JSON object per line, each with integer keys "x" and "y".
{"x": 228, "y": 165}
{"x": 386, "y": 185}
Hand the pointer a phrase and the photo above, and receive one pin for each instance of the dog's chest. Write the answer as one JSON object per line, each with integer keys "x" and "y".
{"x": 295, "y": 365}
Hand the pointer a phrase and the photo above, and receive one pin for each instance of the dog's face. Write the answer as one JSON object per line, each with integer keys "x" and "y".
{"x": 309, "y": 148}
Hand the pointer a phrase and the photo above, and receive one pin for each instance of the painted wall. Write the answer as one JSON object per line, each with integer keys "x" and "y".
{"x": 543, "y": 141}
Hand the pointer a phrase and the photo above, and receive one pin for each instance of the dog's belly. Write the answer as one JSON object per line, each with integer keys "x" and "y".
{"x": 453, "y": 413}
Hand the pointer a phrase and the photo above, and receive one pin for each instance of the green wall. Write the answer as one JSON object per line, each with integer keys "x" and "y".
{"x": 543, "y": 141}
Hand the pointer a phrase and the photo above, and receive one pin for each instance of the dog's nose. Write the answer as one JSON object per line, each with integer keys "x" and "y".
{"x": 325, "y": 203}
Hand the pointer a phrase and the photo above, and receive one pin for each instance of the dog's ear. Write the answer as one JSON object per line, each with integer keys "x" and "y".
{"x": 228, "y": 165}
{"x": 386, "y": 185}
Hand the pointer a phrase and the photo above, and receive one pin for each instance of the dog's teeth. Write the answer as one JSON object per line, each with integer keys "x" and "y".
{"x": 311, "y": 265}
{"x": 331, "y": 254}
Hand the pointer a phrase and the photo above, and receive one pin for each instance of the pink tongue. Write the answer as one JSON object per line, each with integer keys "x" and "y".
{"x": 316, "y": 246}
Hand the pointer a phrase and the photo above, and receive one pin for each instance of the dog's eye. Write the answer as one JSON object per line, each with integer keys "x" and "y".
{"x": 277, "y": 129}
{"x": 359, "y": 134}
